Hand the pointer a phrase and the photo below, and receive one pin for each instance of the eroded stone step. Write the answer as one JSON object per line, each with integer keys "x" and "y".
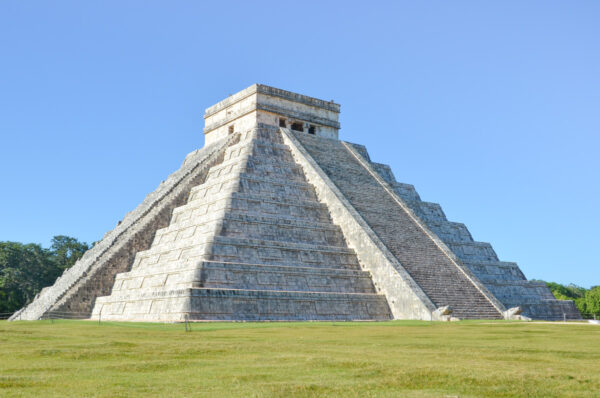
{"x": 274, "y": 204}
{"x": 526, "y": 291}
{"x": 553, "y": 310}
{"x": 248, "y": 183}
{"x": 264, "y": 148}
{"x": 450, "y": 231}
{"x": 245, "y": 224}
{"x": 473, "y": 251}
{"x": 249, "y": 305}
{"x": 281, "y": 229}
{"x": 495, "y": 270}
{"x": 240, "y": 203}
{"x": 234, "y": 249}
{"x": 282, "y": 253}
{"x": 210, "y": 274}
{"x": 259, "y": 166}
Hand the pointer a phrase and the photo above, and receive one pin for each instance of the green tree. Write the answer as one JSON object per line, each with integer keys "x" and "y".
{"x": 587, "y": 301}
{"x": 570, "y": 292}
{"x": 27, "y": 268}
{"x": 592, "y": 301}
{"x": 24, "y": 271}
{"x": 66, "y": 250}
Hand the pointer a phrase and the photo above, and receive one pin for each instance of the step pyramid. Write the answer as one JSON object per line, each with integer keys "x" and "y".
{"x": 251, "y": 243}
{"x": 277, "y": 219}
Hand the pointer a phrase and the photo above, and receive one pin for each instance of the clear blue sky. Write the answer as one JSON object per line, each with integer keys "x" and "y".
{"x": 490, "y": 109}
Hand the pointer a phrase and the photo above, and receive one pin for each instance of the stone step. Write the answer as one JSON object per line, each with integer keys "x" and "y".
{"x": 236, "y": 249}
{"x": 212, "y": 274}
{"x": 522, "y": 291}
{"x": 259, "y": 166}
{"x": 263, "y": 148}
{"x": 262, "y": 203}
{"x": 165, "y": 254}
{"x": 473, "y": 251}
{"x": 239, "y": 150}
{"x": 222, "y": 171}
{"x": 262, "y": 159}
{"x": 243, "y": 305}
{"x": 281, "y": 229}
{"x": 282, "y": 253}
{"x": 248, "y": 183}
{"x": 493, "y": 278}
{"x": 274, "y": 204}
{"x": 268, "y": 135}
{"x": 384, "y": 170}
{"x": 552, "y": 310}
{"x": 427, "y": 211}
{"x": 277, "y": 169}
{"x": 262, "y": 142}
{"x": 495, "y": 270}
{"x": 290, "y": 190}
{"x": 269, "y": 277}
{"x": 406, "y": 191}
{"x": 246, "y": 224}
{"x": 185, "y": 224}
{"x": 215, "y": 188}
{"x": 256, "y": 204}
{"x": 450, "y": 231}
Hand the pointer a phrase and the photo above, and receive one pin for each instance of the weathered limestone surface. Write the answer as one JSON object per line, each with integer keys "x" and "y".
{"x": 430, "y": 264}
{"x": 260, "y": 104}
{"x": 251, "y": 243}
{"x": 405, "y": 297}
{"x": 503, "y": 279}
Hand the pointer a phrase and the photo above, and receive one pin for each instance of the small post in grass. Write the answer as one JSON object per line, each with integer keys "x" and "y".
{"x": 99, "y": 316}
{"x": 188, "y": 327}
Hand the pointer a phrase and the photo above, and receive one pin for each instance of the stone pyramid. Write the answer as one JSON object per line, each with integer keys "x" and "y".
{"x": 277, "y": 219}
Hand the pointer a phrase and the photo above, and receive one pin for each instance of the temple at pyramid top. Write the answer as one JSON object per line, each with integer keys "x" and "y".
{"x": 260, "y": 104}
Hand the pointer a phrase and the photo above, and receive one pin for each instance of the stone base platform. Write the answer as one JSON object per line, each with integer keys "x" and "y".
{"x": 241, "y": 305}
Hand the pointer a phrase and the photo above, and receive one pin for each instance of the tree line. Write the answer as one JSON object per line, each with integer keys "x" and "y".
{"x": 27, "y": 268}
{"x": 587, "y": 301}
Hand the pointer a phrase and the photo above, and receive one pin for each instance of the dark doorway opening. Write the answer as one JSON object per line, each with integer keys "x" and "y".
{"x": 297, "y": 126}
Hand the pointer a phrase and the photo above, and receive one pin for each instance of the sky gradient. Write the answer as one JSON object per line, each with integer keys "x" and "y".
{"x": 491, "y": 110}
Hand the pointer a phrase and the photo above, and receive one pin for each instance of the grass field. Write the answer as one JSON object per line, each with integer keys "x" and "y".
{"x": 401, "y": 358}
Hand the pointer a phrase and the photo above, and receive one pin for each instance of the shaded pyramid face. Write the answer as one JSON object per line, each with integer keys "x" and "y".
{"x": 251, "y": 243}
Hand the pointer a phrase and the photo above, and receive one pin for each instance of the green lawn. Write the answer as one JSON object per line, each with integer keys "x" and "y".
{"x": 401, "y": 358}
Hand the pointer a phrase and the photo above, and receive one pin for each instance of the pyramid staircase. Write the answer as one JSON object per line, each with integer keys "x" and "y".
{"x": 440, "y": 278}
{"x": 504, "y": 280}
{"x": 251, "y": 243}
